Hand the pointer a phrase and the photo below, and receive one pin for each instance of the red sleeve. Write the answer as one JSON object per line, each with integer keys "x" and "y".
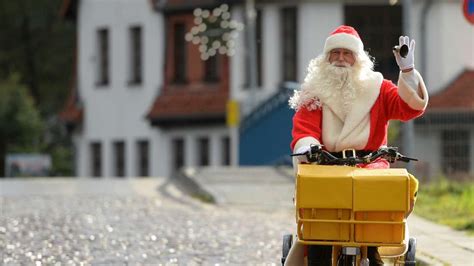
{"x": 306, "y": 124}
{"x": 394, "y": 106}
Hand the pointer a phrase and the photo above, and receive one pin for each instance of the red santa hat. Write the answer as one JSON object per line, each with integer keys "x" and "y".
{"x": 344, "y": 37}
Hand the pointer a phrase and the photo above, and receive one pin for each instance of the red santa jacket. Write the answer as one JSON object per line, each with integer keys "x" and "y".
{"x": 388, "y": 105}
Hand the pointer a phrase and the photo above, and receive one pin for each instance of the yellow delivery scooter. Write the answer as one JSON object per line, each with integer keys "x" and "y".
{"x": 351, "y": 208}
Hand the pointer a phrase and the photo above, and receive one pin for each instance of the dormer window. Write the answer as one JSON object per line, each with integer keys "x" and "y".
{"x": 180, "y": 60}
{"x": 211, "y": 69}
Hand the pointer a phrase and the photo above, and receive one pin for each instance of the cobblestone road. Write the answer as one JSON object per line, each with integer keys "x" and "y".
{"x": 134, "y": 229}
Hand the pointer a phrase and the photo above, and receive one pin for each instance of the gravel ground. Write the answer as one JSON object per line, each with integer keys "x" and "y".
{"x": 83, "y": 229}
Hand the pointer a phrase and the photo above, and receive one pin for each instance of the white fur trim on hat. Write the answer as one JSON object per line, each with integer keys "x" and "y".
{"x": 344, "y": 40}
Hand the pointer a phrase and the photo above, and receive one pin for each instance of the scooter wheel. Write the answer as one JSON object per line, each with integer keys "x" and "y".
{"x": 287, "y": 242}
{"x": 319, "y": 255}
{"x": 410, "y": 255}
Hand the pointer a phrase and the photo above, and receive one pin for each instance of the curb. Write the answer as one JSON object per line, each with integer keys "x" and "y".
{"x": 185, "y": 181}
{"x": 423, "y": 258}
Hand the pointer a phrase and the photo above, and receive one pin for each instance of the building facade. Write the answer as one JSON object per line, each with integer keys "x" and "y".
{"x": 145, "y": 104}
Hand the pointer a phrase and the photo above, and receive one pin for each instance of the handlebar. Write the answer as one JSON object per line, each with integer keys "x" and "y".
{"x": 316, "y": 154}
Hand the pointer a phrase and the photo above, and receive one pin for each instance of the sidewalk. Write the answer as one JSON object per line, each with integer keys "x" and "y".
{"x": 441, "y": 245}
{"x": 268, "y": 188}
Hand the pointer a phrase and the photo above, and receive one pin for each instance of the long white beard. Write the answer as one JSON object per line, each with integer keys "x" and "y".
{"x": 336, "y": 87}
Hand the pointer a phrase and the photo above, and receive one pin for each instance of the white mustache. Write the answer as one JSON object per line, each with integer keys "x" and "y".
{"x": 340, "y": 64}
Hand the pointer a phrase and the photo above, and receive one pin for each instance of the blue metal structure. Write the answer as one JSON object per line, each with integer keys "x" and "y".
{"x": 265, "y": 134}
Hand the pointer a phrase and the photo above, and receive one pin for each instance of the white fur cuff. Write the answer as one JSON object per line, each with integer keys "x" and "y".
{"x": 306, "y": 141}
{"x": 408, "y": 86}
{"x": 343, "y": 40}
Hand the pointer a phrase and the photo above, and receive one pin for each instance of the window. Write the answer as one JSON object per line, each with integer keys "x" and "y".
{"x": 379, "y": 27}
{"x": 456, "y": 151}
{"x": 179, "y": 53}
{"x": 178, "y": 153}
{"x": 96, "y": 159}
{"x": 143, "y": 158}
{"x": 203, "y": 151}
{"x": 135, "y": 55}
{"x": 103, "y": 56}
{"x": 119, "y": 155}
{"x": 226, "y": 151}
{"x": 289, "y": 42}
{"x": 211, "y": 69}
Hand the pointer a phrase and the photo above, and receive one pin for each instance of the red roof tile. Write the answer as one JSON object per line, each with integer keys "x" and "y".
{"x": 457, "y": 96}
{"x": 191, "y": 104}
{"x": 181, "y": 5}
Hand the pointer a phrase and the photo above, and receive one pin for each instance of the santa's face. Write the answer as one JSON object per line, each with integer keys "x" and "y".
{"x": 341, "y": 57}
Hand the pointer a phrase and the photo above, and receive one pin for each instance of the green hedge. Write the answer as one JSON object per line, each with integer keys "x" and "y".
{"x": 448, "y": 202}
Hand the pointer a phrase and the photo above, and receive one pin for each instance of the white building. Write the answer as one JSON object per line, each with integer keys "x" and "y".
{"x": 145, "y": 104}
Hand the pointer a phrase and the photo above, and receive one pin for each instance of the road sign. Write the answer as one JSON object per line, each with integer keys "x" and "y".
{"x": 468, "y": 10}
{"x": 28, "y": 165}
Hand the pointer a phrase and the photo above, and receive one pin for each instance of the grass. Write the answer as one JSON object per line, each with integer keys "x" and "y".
{"x": 448, "y": 202}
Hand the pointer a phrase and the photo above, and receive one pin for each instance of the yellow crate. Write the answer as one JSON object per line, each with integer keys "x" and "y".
{"x": 381, "y": 190}
{"x": 348, "y": 204}
{"x": 324, "y": 187}
{"x": 380, "y": 195}
{"x": 380, "y": 233}
{"x": 324, "y": 194}
{"x": 325, "y": 231}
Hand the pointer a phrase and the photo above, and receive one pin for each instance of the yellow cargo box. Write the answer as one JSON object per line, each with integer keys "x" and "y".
{"x": 352, "y": 205}
{"x": 324, "y": 193}
{"x": 381, "y": 190}
{"x": 380, "y": 195}
{"x": 326, "y": 231}
{"x": 321, "y": 186}
{"x": 378, "y": 232}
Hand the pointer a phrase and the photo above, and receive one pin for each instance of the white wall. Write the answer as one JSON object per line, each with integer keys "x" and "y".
{"x": 428, "y": 149}
{"x": 270, "y": 59}
{"x": 271, "y": 48}
{"x": 236, "y": 72}
{"x": 450, "y": 44}
{"x": 117, "y": 111}
{"x": 191, "y": 149}
{"x": 316, "y": 21}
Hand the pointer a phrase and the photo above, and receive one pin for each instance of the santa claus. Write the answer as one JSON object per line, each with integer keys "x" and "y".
{"x": 344, "y": 104}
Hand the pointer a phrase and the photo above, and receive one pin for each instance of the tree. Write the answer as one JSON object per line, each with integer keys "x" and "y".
{"x": 36, "y": 59}
{"x": 36, "y": 43}
{"x": 20, "y": 123}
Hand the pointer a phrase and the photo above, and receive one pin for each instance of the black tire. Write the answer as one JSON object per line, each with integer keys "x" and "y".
{"x": 319, "y": 255}
{"x": 346, "y": 260}
{"x": 410, "y": 255}
{"x": 287, "y": 243}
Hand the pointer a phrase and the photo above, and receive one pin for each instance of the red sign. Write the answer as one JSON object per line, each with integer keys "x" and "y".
{"x": 468, "y": 9}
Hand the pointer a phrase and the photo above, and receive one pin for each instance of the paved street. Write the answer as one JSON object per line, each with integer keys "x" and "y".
{"x": 150, "y": 222}
{"x": 130, "y": 222}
